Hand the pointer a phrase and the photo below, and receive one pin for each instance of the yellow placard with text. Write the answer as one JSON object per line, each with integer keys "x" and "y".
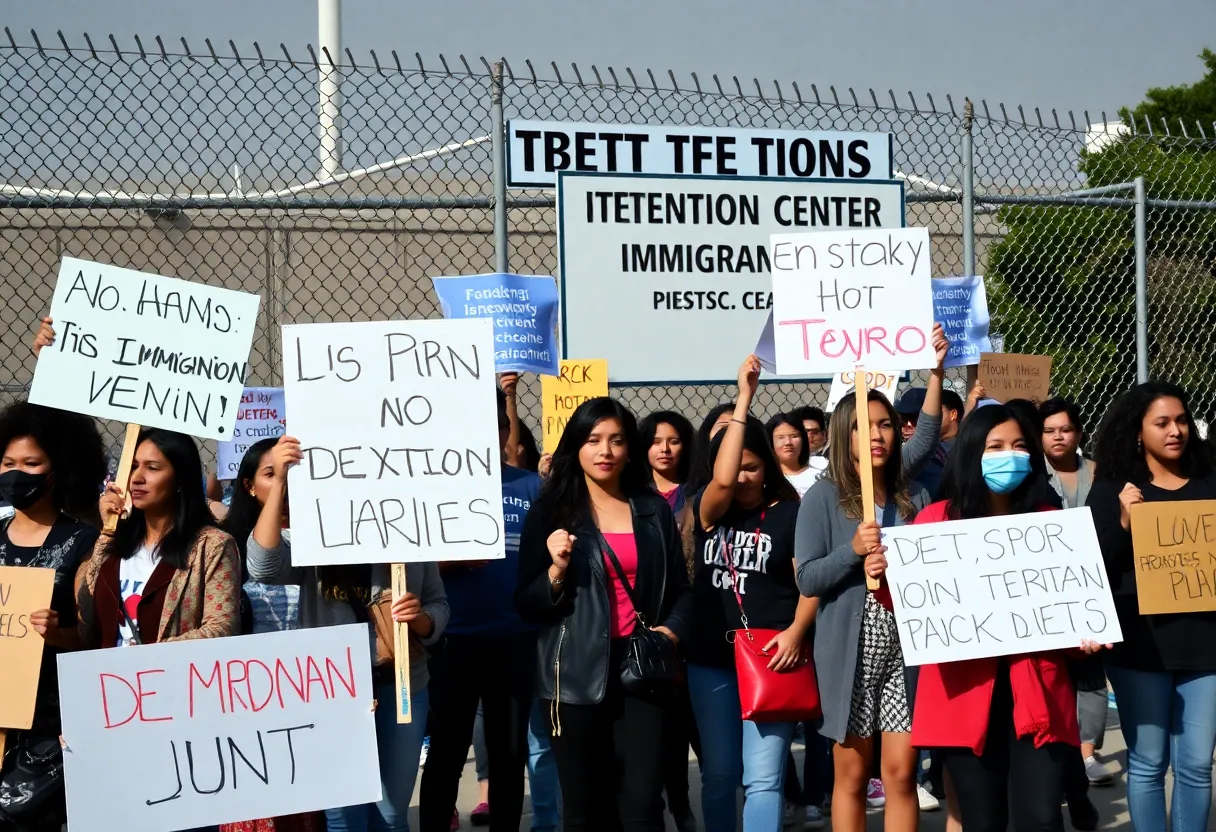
{"x": 23, "y": 591}
{"x": 580, "y": 379}
{"x": 1174, "y": 544}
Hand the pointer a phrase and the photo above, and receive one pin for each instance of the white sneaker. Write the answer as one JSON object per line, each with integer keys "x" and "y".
{"x": 928, "y": 803}
{"x": 1097, "y": 773}
{"x": 794, "y": 815}
{"x": 814, "y": 818}
{"x": 876, "y": 795}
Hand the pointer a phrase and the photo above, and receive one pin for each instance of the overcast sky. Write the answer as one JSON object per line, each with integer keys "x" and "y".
{"x": 1064, "y": 54}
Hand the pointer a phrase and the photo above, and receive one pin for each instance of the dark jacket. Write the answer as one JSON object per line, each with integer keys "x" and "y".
{"x": 572, "y": 642}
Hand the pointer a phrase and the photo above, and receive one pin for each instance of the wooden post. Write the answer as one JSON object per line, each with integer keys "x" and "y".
{"x": 123, "y": 478}
{"x": 2, "y": 732}
{"x": 401, "y": 652}
{"x": 865, "y": 463}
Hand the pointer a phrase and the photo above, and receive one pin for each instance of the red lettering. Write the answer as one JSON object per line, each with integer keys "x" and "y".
{"x": 105, "y": 700}
{"x": 806, "y": 340}
{"x": 349, "y": 681}
{"x": 249, "y": 686}
{"x": 233, "y": 696}
{"x": 296, "y": 684}
{"x": 139, "y": 683}
{"x": 215, "y": 678}
{"x": 924, "y": 340}
{"x": 315, "y": 676}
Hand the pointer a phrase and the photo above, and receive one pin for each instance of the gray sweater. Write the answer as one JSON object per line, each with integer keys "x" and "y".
{"x": 273, "y": 566}
{"x": 830, "y": 570}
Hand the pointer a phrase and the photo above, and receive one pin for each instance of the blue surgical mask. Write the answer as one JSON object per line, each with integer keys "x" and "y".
{"x": 1004, "y": 471}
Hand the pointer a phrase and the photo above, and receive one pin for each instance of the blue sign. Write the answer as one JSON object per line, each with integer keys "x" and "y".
{"x": 960, "y": 305}
{"x": 524, "y": 311}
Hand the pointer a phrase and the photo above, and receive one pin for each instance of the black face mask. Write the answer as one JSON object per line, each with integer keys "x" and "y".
{"x": 21, "y": 489}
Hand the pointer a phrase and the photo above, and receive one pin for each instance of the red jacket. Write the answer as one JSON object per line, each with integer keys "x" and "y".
{"x": 953, "y": 700}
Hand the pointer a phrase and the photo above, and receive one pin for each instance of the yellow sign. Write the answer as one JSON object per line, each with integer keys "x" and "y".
{"x": 1174, "y": 544}
{"x": 580, "y": 380}
{"x": 23, "y": 591}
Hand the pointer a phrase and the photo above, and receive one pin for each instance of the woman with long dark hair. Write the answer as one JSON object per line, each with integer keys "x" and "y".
{"x": 51, "y": 465}
{"x": 745, "y": 519}
{"x": 702, "y": 472}
{"x": 1003, "y": 725}
{"x": 1164, "y": 671}
{"x": 599, "y": 556}
{"x": 856, "y": 640}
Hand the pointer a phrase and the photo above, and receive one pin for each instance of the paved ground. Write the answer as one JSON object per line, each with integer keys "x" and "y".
{"x": 1111, "y": 802}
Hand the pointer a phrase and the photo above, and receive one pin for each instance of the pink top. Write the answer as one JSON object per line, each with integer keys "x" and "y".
{"x": 620, "y": 614}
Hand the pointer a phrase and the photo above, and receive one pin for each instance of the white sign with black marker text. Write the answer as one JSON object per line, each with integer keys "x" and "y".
{"x": 397, "y": 421}
{"x": 538, "y": 150}
{"x": 999, "y": 586}
{"x": 151, "y": 350}
{"x": 682, "y": 264}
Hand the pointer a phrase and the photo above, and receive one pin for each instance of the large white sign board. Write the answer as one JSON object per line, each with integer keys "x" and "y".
{"x": 538, "y": 150}
{"x": 146, "y": 349}
{"x": 398, "y": 424}
{"x": 846, "y": 298}
{"x": 998, "y": 586}
{"x": 678, "y": 266}
{"x": 208, "y": 731}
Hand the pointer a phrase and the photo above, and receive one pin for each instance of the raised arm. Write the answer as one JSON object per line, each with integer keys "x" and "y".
{"x": 509, "y": 382}
{"x": 716, "y": 498}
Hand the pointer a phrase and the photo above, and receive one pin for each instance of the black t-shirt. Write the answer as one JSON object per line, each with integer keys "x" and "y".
{"x": 67, "y": 544}
{"x": 760, "y": 544}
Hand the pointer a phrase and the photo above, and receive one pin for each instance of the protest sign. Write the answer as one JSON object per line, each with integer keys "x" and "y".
{"x": 561, "y": 395}
{"x": 845, "y": 298}
{"x": 538, "y": 150}
{"x": 221, "y": 729}
{"x": 960, "y": 305}
{"x": 844, "y": 383}
{"x": 1006, "y": 376}
{"x": 23, "y": 591}
{"x": 1175, "y": 550}
{"x": 996, "y": 586}
{"x": 412, "y": 470}
{"x": 150, "y": 350}
{"x": 523, "y": 309}
{"x": 685, "y": 260}
{"x": 261, "y": 415}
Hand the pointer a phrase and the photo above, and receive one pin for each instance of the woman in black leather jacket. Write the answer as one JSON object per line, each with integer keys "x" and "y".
{"x": 598, "y": 500}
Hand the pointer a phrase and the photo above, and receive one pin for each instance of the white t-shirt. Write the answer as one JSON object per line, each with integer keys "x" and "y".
{"x": 133, "y": 574}
{"x": 803, "y": 481}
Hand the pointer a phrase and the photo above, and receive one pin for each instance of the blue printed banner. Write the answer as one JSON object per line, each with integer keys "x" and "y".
{"x": 960, "y": 305}
{"x": 524, "y": 311}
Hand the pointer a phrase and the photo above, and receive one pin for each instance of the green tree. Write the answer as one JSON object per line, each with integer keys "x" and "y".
{"x": 1063, "y": 278}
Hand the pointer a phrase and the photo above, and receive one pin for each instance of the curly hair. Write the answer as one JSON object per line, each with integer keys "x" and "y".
{"x": 1118, "y": 453}
{"x": 73, "y": 445}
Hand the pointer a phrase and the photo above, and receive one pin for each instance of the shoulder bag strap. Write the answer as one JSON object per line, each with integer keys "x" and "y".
{"x": 620, "y": 571}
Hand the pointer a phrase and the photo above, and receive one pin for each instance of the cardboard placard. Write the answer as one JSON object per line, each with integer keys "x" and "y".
{"x": 999, "y": 586}
{"x": 1175, "y": 552}
{"x": 843, "y": 383}
{"x": 224, "y": 729}
{"x": 1006, "y": 376}
{"x": 560, "y": 395}
{"x": 23, "y": 591}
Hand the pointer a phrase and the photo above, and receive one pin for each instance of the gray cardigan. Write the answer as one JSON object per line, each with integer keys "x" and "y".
{"x": 273, "y": 566}
{"x": 1085, "y": 481}
{"x": 830, "y": 570}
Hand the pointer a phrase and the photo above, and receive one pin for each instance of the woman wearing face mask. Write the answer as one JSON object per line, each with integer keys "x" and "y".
{"x": 1002, "y": 725}
{"x": 50, "y": 461}
{"x": 744, "y": 573}
{"x": 856, "y": 641}
{"x": 597, "y": 517}
{"x": 793, "y": 452}
{"x": 1164, "y": 671}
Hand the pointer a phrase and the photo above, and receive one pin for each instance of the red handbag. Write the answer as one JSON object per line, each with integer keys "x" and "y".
{"x": 768, "y": 695}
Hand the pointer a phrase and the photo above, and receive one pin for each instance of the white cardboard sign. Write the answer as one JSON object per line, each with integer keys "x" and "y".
{"x": 845, "y": 383}
{"x": 643, "y": 253}
{"x": 999, "y": 586}
{"x": 398, "y": 424}
{"x": 208, "y": 731}
{"x": 156, "y": 351}
{"x": 538, "y": 150}
{"x": 846, "y": 298}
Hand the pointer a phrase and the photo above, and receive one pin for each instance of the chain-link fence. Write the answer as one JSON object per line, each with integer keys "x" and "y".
{"x": 204, "y": 167}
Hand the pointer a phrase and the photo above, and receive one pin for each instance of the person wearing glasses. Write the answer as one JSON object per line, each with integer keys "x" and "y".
{"x": 815, "y": 423}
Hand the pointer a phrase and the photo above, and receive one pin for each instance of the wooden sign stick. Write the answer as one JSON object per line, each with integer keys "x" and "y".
{"x": 123, "y": 477}
{"x": 2, "y": 732}
{"x": 865, "y": 464}
{"x": 401, "y": 652}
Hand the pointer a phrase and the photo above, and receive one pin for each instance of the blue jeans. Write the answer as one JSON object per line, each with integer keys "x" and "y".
{"x": 734, "y": 751}
{"x": 542, "y": 772}
{"x": 399, "y": 747}
{"x": 1167, "y": 718}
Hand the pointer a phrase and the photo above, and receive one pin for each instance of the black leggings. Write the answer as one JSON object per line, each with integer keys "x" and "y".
{"x": 680, "y": 731}
{"x": 1008, "y": 764}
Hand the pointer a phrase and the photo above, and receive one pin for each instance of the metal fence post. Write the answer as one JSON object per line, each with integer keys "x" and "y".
{"x": 1141, "y": 282}
{"x": 968, "y": 191}
{"x": 498, "y": 153}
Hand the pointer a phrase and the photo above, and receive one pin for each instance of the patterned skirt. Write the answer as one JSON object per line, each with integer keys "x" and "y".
{"x": 880, "y": 694}
{"x": 310, "y": 822}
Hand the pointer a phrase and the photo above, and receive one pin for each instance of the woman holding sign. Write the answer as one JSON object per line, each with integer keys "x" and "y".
{"x": 745, "y": 520}
{"x": 601, "y": 570}
{"x": 1009, "y": 724}
{"x": 1164, "y": 671}
{"x": 856, "y": 642}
